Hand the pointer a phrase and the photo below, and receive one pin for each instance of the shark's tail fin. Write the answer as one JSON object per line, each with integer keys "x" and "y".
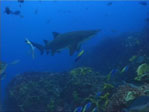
{"x": 38, "y": 46}
{"x": 46, "y": 44}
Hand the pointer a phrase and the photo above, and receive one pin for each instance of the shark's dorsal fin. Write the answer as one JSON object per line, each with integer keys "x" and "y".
{"x": 55, "y": 34}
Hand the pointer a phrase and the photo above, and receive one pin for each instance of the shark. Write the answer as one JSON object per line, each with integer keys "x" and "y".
{"x": 71, "y": 40}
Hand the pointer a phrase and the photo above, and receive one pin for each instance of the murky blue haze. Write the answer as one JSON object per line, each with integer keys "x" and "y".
{"x": 38, "y": 19}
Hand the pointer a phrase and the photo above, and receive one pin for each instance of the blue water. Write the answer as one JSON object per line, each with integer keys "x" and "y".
{"x": 41, "y": 18}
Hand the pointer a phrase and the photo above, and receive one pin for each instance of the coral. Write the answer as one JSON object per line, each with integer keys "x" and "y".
{"x": 100, "y": 103}
{"x": 107, "y": 86}
{"x": 105, "y": 96}
{"x": 54, "y": 92}
{"x": 81, "y": 71}
{"x": 59, "y": 92}
{"x": 3, "y": 67}
{"x": 105, "y": 99}
{"x": 132, "y": 41}
{"x": 29, "y": 90}
{"x": 51, "y": 106}
{"x": 82, "y": 83}
{"x": 130, "y": 96}
{"x": 142, "y": 72}
{"x": 132, "y": 58}
{"x": 124, "y": 95}
{"x": 75, "y": 96}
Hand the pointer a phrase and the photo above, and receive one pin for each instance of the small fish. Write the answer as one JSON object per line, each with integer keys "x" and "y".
{"x": 109, "y": 3}
{"x": 114, "y": 71}
{"x": 125, "y": 69}
{"x": 132, "y": 58}
{"x": 79, "y": 55}
{"x": 87, "y": 106}
{"x": 36, "y": 11}
{"x": 21, "y": 1}
{"x": 78, "y": 109}
{"x": 32, "y": 47}
{"x": 98, "y": 94}
{"x": 7, "y": 11}
{"x": 17, "y": 12}
{"x": 94, "y": 109}
{"x": 144, "y": 3}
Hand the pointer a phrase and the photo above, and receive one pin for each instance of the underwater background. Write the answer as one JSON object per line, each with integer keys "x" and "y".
{"x": 111, "y": 74}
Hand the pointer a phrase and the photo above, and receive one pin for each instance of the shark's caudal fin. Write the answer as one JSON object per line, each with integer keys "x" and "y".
{"x": 32, "y": 47}
{"x": 39, "y": 47}
{"x": 46, "y": 44}
{"x": 36, "y": 45}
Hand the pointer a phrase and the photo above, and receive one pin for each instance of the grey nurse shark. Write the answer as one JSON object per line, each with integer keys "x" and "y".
{"x": 70, "y": 40}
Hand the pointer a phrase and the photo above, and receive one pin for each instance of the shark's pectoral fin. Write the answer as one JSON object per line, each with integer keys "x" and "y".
{"x": 73, "y": 48}
{"x": 78, "y": 47}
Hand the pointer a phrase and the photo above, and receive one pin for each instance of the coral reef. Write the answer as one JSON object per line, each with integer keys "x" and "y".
{"x": 59, "y": 92}
{"x": 85, "y": 87}
{"x": 81, "y": 71}
{"x": 124, "y": 95}
{"x": 29, "y": 90}
{"x": 53, "y": 92}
